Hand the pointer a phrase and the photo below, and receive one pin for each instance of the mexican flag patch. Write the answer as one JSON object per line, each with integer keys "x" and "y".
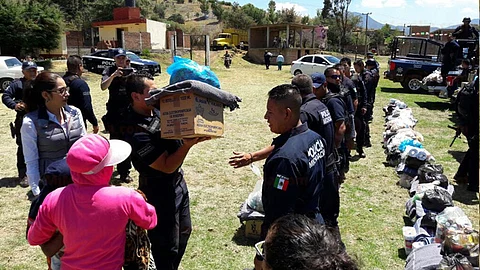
{"x": 281, "y": 182}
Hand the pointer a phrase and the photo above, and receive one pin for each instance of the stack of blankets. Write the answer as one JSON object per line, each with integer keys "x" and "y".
{"x": 442, "y": 236}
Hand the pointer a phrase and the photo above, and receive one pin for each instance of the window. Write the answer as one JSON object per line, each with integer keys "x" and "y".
{"x": 320, "y": 60}
{"x": 307, "y": 59}
{"x": 132, "y": 56}
{"x": 332, "y": 59}
{"x": 102, "y": 54}
{"x": 13, "y": 62}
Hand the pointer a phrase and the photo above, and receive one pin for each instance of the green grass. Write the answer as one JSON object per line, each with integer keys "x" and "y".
{"x": 372, "y": 205}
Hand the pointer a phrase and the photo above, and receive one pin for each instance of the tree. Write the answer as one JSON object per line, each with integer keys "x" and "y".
{"x": 287, "y": 15}
{"x": 31, "y": 26}
{"x": 305, "y": 19}
{"x": 159, "y": 10}
{"x": 177, "y": 17}
{"x": 326, "y": 10}
{"x": 341, "y": 14}
{"x": 204, "y": 6}
{"x": 237, "y": 18}
{"x": 272, "y": 14}
{"x": 257, "y": 14}
{"x": 218, "y": 10}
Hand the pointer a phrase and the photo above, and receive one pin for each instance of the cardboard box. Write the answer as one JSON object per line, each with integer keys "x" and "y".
{"x": 189, "y": 115}
{"x": 253, "y": 228}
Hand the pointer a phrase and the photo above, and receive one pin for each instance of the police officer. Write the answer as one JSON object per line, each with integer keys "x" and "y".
{"x": 114, "y": 81}
{"x": 158, "y": 162}
{"x": 465, "y": 31}
{"x": 449, "y": 52}
{"x": 365, "y": 83}
{"x": 372, "y": 66}
{"x": 294, "y": 171}
{"x": 318, "y": 118}
{"x": 336, "y": 104}
{"x": 79, "y": 91}
{"x": 12, "y": 98}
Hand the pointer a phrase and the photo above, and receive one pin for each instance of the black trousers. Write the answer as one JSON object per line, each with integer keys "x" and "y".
{"x": 172, "y": 204}
{"x": 21, "y": 166}
{"x": 363, "y": 130}
{"x": 329, "y": 202}
{"x": 114, "y": 129}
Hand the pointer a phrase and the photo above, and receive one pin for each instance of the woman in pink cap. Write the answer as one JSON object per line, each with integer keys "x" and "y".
{"x": 90, "y": 214}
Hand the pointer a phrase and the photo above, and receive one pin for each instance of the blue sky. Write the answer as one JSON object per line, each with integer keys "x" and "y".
{"x": 438, "y": 13}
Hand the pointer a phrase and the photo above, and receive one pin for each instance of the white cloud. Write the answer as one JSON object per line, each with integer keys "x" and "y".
{"x": 383, "y": 3}
{"x": 299, "y": 9}
{"x": 443, "y": 3}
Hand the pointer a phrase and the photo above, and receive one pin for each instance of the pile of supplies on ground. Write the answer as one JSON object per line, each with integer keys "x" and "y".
{"x": 442, "y": 236}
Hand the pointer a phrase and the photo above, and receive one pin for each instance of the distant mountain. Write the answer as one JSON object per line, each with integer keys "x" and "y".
{"x": 373, "y": 24}
{"x": 474, "y": 21}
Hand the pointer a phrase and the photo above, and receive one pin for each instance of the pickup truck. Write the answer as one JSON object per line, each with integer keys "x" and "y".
{"x": 412, "y": 59}
{"x": 10, "y": 69}
{"x": 99, "y": 60}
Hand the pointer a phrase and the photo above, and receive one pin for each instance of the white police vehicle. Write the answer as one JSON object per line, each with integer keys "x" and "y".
{"x": 99, "y": 60}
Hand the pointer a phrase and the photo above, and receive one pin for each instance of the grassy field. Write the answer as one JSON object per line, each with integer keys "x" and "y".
{"x": 372, "y": 205}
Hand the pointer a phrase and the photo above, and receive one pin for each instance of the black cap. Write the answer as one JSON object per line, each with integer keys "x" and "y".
{"x": 466, "y": 19}
{"x": 28, "y": 65}
{"x": 119, "y": 52}
{"x": 370, "y": 62}
{"x": 369, "y": 54}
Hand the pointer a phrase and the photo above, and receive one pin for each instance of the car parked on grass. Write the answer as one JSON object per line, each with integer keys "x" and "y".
{"x": 10, "y": 69}
{"x": 99, "y": 60}
{"x": 312, "y": 63}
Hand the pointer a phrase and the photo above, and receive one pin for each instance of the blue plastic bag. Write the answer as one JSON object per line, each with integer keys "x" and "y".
{"x": 408, "y": 142}
{"x": 185, "y": 69}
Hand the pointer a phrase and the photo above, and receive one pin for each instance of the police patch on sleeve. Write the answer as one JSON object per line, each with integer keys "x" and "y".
{"x": 281, "y": 182}
{"x": 316, "y": 151}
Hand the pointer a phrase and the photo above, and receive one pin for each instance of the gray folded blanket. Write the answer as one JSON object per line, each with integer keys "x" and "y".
{"x": 197, "y": 87}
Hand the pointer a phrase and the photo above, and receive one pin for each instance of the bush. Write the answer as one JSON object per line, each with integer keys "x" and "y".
{"x": 146, "y": 53}
{"x": 46, "y": 64}
{"x": 177, "y": 17}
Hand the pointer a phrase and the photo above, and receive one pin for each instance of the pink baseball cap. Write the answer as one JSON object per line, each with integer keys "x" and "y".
{"x": 91, "y": 153}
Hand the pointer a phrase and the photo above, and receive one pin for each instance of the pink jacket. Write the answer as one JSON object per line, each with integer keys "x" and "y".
{"x": 92, "y": 218}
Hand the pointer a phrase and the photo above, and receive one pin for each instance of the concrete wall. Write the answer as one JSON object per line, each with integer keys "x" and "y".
{"x": 60, "y": 51}
{"x": 158, "y": 34}
{"x": 109, "y": 32}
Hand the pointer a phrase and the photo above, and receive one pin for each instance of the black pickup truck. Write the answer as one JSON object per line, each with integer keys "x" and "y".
{"x": 413, "y": 59}
{"x": 99, "y": 60}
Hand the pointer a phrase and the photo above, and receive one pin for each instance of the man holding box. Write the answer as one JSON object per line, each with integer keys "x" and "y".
{"x": 159, "y": 162}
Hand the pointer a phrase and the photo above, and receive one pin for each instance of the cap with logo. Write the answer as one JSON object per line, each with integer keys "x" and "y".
{"x": 28, "y": 65}
{"x": 119, "y": 52}
{"x": 318, "y": 79}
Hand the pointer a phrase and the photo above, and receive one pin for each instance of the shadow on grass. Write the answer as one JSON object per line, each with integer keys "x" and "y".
{"x": 240, "y": 239}
{"x": 9, "y": 182}
{"x": 401, "y": 90}
{"x": 434, "y": 105}
{"x": 464, "y": 196}
{"x": 402, "y": 254}
{"x": 457, "y": 155}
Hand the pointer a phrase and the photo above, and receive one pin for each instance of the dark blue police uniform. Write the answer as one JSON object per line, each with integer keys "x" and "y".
{"x": 293, "y": 176}
{"x": 80, "y": 97}
{"x": 167, "y": 192}
{"x": 12, "y": 96}
{"x": 118, "y": 101}
{"x": 318, "y": 118}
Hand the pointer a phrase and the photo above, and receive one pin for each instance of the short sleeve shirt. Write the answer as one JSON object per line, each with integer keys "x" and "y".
{"x": 293, "y": 175}
{"x": 337, "y": 109}
{"x": 318, "y": 118}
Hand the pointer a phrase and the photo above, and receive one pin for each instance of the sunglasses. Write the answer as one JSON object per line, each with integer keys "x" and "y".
{"x": 259, "y": 250}
{"x": 61, "y": 91}
{"x": 335, "y": 77}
